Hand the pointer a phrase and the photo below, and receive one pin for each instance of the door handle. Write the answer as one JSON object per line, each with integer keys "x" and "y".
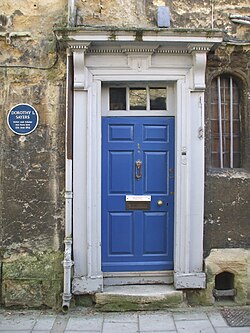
{"x": 138, "y": 169}
{"x": 159, "y": 203}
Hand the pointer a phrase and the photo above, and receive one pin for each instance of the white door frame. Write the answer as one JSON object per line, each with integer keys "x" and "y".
{"x": 160, "y": 57}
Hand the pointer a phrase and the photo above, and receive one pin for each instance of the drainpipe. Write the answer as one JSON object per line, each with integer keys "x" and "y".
{"x": 67, "y": 262}
{"x": 71, "y": 13}
{"x": 240, "y": 19}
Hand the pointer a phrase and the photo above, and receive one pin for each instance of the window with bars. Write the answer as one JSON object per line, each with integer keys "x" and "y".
{"x": 224, "y": 119}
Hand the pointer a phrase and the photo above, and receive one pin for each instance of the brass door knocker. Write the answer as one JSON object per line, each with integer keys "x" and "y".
{"x": 138, "y": 169}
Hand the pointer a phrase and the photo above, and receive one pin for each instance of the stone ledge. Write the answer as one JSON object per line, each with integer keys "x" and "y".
{"x": 138, "y": 297}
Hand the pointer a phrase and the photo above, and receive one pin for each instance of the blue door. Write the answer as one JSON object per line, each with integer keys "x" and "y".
{"x": 137, "y": 193}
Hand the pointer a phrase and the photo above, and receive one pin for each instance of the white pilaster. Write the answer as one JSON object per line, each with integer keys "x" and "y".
{"x": 79, "y": 165}
{"x": 189, "y": 271}
{"x": 86, "y": 185}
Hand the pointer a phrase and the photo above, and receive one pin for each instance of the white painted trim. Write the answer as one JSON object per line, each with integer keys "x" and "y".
{"x": 170, "y": 102}
{"x": 167, "y": 36}
{"x": 190, "y": 280}
{"x": 129, "y": 278}
{"x": 189, "y": 194}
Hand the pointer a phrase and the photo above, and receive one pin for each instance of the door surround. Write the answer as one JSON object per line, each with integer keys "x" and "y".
{"x": 162, "y": 56}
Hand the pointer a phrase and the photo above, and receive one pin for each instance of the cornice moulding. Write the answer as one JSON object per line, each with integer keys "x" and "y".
{"x": 139, "y": 40}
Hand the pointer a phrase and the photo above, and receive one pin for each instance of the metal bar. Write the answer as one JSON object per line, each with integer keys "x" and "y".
{"x": 220, "y": 123}
{"x": 231, "y": 123}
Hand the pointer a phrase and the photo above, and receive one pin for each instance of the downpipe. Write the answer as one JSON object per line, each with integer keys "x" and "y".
{"x": 67, "y": 262}
{"x": 71, "y": 13}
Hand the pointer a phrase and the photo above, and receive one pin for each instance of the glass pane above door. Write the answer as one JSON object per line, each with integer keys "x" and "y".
{"x": 148, "y": 97}
{"x": 158, "y": 98}
{"x": 137, "y": 99}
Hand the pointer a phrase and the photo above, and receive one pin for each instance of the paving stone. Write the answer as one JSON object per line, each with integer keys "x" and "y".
{"x": 194, "y": 326}
{"x": 60, "y": 324}
{"x": 217, "y": 320}
{"x": 121, "y": 318}
{"x": 17, "y": 323}
{"x": 44, "y": 323}
{"x": 18, "y": 331}
{"x": 81, "y": 331}
{"x": 120, "y": 327}
{"x": 159, "y": 331}
{"x": 190, "y": 316}
{"x": 233, "y": 330}
{"x": 156, "y": 322}
{"x": 84, "y": 324}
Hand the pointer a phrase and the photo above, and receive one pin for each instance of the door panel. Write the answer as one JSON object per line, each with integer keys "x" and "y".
{"x": 156, "y": 133}
{"x": 120, "y": 226}
{"x": 137, "y": 240}
{"x": 121, "y": 133}
{"x": 154, "y": 232}
{"x": 120, "y": 170}
{"x": 156, "y": 182}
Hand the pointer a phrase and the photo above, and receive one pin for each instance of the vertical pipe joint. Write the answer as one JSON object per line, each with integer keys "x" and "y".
{"x": 67, "y": 264}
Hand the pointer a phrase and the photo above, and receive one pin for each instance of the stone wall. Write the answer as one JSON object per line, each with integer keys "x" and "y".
{"x": 227, "y": 191}
{"x": 184, "y": 13}
{"x": 233, "y": 261}
{"x": 32, "y": 167}
{"x": 227, "y": 210}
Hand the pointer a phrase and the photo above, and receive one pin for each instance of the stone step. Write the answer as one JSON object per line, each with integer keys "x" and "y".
{"x": 138, "y": 297}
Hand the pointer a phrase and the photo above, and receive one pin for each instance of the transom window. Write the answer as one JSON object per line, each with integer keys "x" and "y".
{"x": 224, "y": 119}
{"x": 138, "y": 98}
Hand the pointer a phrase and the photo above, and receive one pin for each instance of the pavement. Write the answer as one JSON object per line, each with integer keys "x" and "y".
{"x": 87, "y": 320}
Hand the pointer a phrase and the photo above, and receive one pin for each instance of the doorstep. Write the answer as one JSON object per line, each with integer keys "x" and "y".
{"x": 138, "y": 297}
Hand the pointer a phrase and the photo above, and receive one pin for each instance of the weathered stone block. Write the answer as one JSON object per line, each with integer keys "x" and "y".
{"x": 83, "y": 300}
{"x": 227, "y": 201}
{"x": 32, "y": 293}
{"x": 235, "y": 261}
{"x": 52, "y": 293}
{"x": 24, "y": 293}
{"x": 32, "y": 280}
{"x": 36, "y": 266}
{"x": 135, "y": 298}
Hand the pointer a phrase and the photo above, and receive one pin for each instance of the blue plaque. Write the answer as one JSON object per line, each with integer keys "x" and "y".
{"x": 22, "y": 119}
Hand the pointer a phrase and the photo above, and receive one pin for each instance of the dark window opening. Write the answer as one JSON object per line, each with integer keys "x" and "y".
{"x": 224, "y": 286}
{"x": 117, "y": 98}
{"x": 158, "y": 97}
